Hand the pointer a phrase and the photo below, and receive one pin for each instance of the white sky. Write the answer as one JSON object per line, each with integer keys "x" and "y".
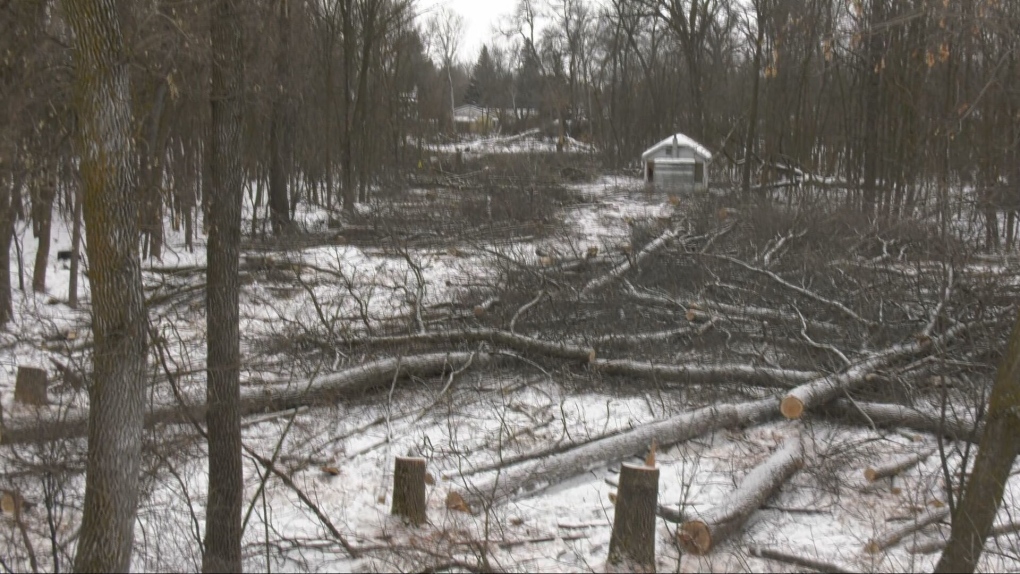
{"x": 480, "y": 18}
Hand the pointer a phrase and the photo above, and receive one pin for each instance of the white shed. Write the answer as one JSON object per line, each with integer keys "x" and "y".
{"x": 677, "y": 161}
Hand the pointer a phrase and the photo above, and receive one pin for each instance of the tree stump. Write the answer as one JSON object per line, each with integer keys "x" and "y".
{"x": 409, "y": 489}
{"x": 633, "y": 539}
{"x": 30, "y": 386}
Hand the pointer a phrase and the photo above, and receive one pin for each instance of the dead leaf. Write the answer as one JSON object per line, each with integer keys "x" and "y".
{"x": 330, "y": 470}
{"x": 612, "y": 498}
{"x": 455, "y": 501}
{"x": 650, "y": 459}
{"x": 429, "y": 479}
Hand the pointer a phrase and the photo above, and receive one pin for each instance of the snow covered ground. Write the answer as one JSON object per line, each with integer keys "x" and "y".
{"x": 339, "y": 459}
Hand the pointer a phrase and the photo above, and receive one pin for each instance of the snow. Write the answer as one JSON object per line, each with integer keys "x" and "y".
{"x": 827, "y": 511}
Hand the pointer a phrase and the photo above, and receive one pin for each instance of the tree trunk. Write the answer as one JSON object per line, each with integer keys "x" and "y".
{"x": 43, "y": 215}
{"x": 7, "y": 202}
{"x": 278, "y": 140}
{"x": 973, "y": 517}
{"x": 752, "y": 122}
{"x": 72, "y": 285}
{"x": 223, "y": 392}
{"x": 632, "y": 541}
{"x": 409, "y": 489}
{"x": 117, "y": 394}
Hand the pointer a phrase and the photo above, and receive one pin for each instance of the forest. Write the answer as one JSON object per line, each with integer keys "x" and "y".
{"x": 304, "y": 285}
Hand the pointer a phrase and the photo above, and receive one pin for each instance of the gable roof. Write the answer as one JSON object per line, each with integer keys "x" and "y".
{"x": 681, "y": 140}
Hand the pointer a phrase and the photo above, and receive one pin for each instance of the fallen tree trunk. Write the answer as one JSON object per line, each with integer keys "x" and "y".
{"x": 534, "y": 476}
{"x": 710, "y": 374}
{"x": 323, "y": 390}
{"x": 887, "y": 416}
{"x": 880, "y": 543}
{"x": 894, "y": 467}
{"x": 823, "y": 390}
{"x": 715, "y": 526}
{"x": 521, "y": 343}
{"x": 625, "y": 266}
{"x": 932, "y": 546}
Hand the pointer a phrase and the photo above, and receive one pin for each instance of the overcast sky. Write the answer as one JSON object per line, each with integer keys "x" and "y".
{"x": 480, "y": 16}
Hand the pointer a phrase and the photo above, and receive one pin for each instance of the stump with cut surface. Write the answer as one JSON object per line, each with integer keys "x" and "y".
{"x": 30, "y": 386}
{"x": 633, "y": 539}
{"x": 409, "y": 489}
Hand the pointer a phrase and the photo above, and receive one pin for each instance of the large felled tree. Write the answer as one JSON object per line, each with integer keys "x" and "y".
{"x": 223, "y": 394}
{"x": 117, "y": 394}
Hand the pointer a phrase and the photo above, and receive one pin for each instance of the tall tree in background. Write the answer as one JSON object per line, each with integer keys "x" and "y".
{"x": 446, "y": 29}
{"x": 117, "y": 394}
{"x": 279, "y": 134}
{"x": 223, "y": 394}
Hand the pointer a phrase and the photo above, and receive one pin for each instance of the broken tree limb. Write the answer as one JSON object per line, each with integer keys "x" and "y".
{"x": 894, "y": 467}
{"x": 626, "y": 265}
{"x": 891, "y": 538}
{"x": 887, "y": 416}
{"x": 322, "y": 390}
{"x": 824, "y": 389}
{"x": 536, "y": 475}
{"x": 798, "y": 561}
{"x": 701, "y": 535}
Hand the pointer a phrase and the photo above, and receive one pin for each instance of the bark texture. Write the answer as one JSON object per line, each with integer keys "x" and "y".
{"x": 974, "y": 516}
{"x": 409, "y": 489}
{"x": 633, "y": 538}
{"x": 223, "y": 391}
{"x": 117, "y": 395}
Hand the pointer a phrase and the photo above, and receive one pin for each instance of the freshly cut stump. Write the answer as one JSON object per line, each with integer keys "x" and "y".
{"x": 30, "y": 386}
{"x": 632, "y": 542}
{"x": 409, "y": 489}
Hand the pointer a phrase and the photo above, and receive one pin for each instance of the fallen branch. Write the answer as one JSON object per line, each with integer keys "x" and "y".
{"x": 893, "y": 468}
{"x": 700, "y": 536}
{"x": 880, "y": 543}
{"x": 708, "y": 374}
{"x": 825, "y": 389}
{"x": 935, "y": 545}
{"x": 323, "y": 390}
{"x": 884, "y": 415}
{"x": 798, "y": 561}
{"x": 520, "y": 343}
{"x": 539, "y": 474}
{"x": 625, "y": 266}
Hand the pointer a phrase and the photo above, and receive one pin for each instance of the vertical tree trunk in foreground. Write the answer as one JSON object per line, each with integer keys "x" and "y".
{"x": 409, "y": 489}
{"x": 223, "y": 392}
{"x": 632, "y": 542}
{"x": 117, "y": 395}
{"x": 975, "y": 514}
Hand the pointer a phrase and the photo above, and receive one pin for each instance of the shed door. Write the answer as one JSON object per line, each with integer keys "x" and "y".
{"x": 699, "y": 172}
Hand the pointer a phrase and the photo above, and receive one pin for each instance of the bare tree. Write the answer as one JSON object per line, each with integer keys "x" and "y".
{"x": 117, "y": 393}
{"x": 446, "y": 30}
{"x": 223, "y": 392}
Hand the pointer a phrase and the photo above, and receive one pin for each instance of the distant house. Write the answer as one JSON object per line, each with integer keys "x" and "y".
{"x": 472, "y": 119}
{"x": 677, "y": 161}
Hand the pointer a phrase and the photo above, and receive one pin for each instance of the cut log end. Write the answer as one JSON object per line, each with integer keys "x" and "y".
{"x": 791, "y": 407}
{"x": 591, "y": 356}
{"x": 695, "y": 538}
{"x": 872, "y": 547}
{"x": 870, "y": 474}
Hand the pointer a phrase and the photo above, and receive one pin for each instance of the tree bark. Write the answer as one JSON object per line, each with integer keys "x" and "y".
{"x": 702, "y": 535}
{"x": 973, "y": 517}
{"x": 880, "y": 543}
{"x": 279, "y": 205}
{"x": 223, "y": 392}
{"x": 7, "y": 202}
{"x": 632, "y": 541}
{"x": 117, "y": 394}
{"x": 409, "y": 489}
{"x": 43, "y": 214}
{"x": 535, "y": 476}
{"x": 72, "y": 285}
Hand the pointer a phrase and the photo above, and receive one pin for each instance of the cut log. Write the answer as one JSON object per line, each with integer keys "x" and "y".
{"x": 894, "y": 416}
{"x": 889, "y": 539}
{"x": 894, "y": 467}
{"x": 633, "y": 538}
{"x": 626, "y": 265}
{"x": 700, "y": 536}
{"x": 798, "y": 561}
{"x": 30, "y": 387}
{"x": 708, "y": 374}
{"x": 409, "y": 489}
{"x": 324, "y": 390}
{"x": 533, "y": 476}
{"x": 824, "y": 389}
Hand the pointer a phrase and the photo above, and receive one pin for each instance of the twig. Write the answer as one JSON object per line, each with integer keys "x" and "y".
{"x": 799, "y": 561}
{"x": 525, "y": 307}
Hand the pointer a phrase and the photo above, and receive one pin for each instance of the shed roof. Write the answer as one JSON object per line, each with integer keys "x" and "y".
{"x": 681, "y": 140}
